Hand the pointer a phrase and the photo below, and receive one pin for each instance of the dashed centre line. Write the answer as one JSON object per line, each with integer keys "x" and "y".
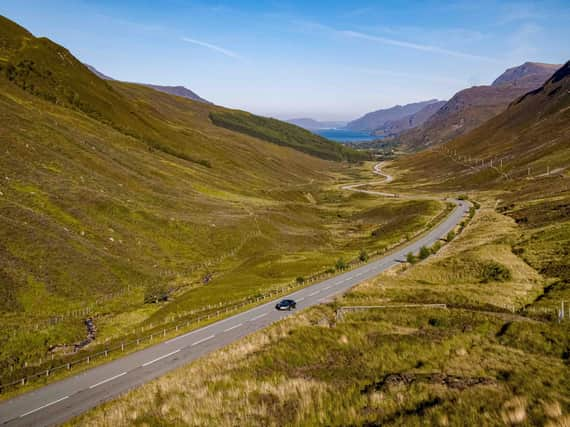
{"x": 160, "y": 358}
{"x": 301, "y": 299}
{"x": 257, "y": 317}
{"x": 44, "y": 406}
{"x": 107, "y": 380}
{"x": 203, "y": 340}
{"x": 233, "y": 327}
{"x": 314, "y": 293}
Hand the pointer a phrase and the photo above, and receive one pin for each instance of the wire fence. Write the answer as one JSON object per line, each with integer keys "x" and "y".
{"x": 49, "y": 367}
{"x": 44, "y": 368}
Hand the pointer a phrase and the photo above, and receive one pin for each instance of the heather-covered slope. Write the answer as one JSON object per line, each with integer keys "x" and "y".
{"x": 472, "y": 107}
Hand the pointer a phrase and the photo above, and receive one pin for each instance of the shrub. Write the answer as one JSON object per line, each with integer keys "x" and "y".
{"x": 363, "y": 256}
{"x": 450, "y": 236}
{"x": 411, "y": 258}
{"x": 424, "y": 252}
{"x": 435, "y": 247}
{"x": 472, "y": 212}
{"x": 340, "y": 264}
{"x": 300, "y": 280}
{"x": 495, "y": 272}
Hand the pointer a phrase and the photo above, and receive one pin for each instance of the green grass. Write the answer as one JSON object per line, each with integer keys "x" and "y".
{"x": 473, "y": 364}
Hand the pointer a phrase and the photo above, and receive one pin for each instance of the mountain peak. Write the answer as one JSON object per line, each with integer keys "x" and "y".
{"x": 527, "y": 74}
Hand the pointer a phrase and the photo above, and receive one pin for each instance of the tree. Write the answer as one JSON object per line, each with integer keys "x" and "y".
{"x": 424, "y": 252}
{"x": 450, "y": 236}
{"x": 340, "y": 264}
{"x": 411, "y": 258}
{"x": 363, "y": 256}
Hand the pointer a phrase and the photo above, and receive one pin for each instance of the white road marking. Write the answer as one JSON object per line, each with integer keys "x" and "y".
{"x": 160, "y": 358}
{"x": 108, "y": 379}
{"x": 328, "y": 287}
{"x": 258, "y": 317}
{"x": 44, "y": 406}
{"x": 301, "y": 299}
{"x": 233, "y": 327}
{"x": 314, "y": 293}
{"x": 203, "y": 340}
{"x": 182, "y": 336}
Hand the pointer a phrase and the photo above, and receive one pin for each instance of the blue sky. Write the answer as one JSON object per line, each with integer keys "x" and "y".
{"x": 328, "y": 60}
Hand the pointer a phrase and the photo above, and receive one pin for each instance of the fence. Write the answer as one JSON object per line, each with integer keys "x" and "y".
{"x": 48, "y": 369}
{"x": 353, "y": 308}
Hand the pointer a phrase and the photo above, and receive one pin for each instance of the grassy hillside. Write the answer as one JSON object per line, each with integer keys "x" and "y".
{"x": 285, "y": 134}
{"x": 113, "y": 192}
{"x": 473, "y": 107}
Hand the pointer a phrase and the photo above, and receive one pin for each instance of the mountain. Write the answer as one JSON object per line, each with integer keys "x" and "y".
{"x": 172, "y": 90}
{"x": 528, "y": 74}
{"x": 178, "y": 91}
{"x": 396, "y": 127}
{"x": 528, "y": 139}
{"x": 376, "y": 119}
{"x": 472, "y": 107}
{"x": 98, "y": 73}
{"x": 311, "y": 124}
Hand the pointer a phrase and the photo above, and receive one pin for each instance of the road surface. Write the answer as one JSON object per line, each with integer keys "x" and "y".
{"x": 65, "y": 399}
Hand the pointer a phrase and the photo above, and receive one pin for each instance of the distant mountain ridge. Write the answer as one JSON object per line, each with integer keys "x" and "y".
{"x": 312, "y": 124}
{"x": 396, "y": 127}
{"x": 172, "y": 90}
{"x": 470, "y": 108}
{"x": 376, "y": 119}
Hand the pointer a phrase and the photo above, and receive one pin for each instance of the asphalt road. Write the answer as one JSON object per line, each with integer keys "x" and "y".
{"x": 62, "y": 400}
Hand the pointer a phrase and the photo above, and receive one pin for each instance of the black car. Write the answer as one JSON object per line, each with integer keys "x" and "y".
{"x": 286, "y": 304}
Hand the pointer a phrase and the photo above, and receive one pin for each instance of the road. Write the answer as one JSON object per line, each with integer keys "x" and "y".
{"x": 65, "y": 399}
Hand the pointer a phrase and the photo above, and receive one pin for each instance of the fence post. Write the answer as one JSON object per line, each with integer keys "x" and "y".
{"x": 122, "y": 346}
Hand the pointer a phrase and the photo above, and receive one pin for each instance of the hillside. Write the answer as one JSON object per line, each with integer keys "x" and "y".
{"x": 376, "y": 119}
{"x": 285, "y": 134}
{"x": 533, "y": 132}
{"x": 472, "y": 107}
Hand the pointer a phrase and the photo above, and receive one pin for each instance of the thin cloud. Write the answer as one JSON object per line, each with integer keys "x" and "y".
{"x": 213, "y": 47}
{"x": 414, "y": 46}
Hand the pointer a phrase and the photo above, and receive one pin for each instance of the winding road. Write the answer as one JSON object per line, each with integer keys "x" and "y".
{"x": 60, "y": 401}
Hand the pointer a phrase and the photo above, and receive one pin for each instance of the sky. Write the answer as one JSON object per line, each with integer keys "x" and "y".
{"x": 329, "y": 60}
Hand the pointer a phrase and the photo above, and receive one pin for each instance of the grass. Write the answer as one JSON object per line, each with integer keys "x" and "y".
{"x": 473, "y": 363}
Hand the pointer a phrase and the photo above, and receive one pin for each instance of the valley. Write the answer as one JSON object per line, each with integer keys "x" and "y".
{"x": 169, "y": 258}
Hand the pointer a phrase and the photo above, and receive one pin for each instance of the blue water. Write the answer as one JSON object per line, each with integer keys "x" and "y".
{"x": 343, "y": 135}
